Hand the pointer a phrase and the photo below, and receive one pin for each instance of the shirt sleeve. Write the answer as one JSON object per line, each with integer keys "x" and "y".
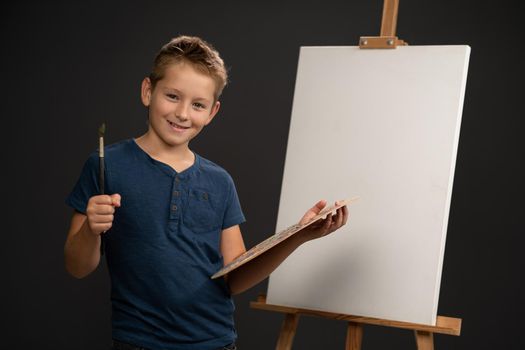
{"x": 233, "y": 214}
{"x": 86, "y": 186}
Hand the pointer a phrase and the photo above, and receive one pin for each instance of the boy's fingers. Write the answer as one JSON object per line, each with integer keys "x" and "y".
{"x": 115, "y": 199}
{"x": 313, "y": 211}
{"x": 102, "y": 199}
{"x": 104, "y": 210}
{"x": 319, "y": 206}
{"x": 101, "y": 228}
{"x": 105, "y": 219}
{"x": 328, "y": 221}
{"x": 102, "y": 219}
{"x": 338, "y": 222}
{"x": 327, "y": 224}
{"x": 316, "y": 209}
{"x": 345, "y": 214}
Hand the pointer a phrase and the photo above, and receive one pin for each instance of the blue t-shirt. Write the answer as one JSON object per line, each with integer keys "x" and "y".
{"x": 163, "y": 247}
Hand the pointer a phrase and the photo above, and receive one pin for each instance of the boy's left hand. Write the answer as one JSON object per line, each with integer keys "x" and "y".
{"x": 325, "y": 226}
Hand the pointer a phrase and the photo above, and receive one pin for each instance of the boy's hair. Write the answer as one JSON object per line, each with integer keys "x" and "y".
{"x": 195, "y": 51}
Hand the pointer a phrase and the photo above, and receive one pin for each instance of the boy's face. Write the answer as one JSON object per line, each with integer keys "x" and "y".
{"x": 180, "y": 105}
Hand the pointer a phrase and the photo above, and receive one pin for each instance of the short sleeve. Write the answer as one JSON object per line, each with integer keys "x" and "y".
{"x": 233, "y": 214}
{"x": 86, "y": 186}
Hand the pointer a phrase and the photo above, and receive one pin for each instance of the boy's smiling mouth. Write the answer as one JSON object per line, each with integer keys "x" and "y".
{"x": 177, "y": 126}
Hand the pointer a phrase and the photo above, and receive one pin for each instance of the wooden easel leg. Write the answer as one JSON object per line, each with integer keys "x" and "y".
{"x": 424, "y": 340}
{"x": 354, "y": 336}
{"x": 287, "y": 332}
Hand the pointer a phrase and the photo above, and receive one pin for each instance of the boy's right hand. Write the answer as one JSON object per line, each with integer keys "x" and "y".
{"x": 100, "y": 210}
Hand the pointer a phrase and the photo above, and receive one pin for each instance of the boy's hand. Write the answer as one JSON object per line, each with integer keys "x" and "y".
{"x": 100, "y": 210}
{"x": 324, "y": 226}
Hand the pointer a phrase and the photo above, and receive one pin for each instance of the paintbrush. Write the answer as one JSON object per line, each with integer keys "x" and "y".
{"x": 101, "y": 132}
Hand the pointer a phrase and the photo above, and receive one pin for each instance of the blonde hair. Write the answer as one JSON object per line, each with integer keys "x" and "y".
{"x": 200, "y": 54}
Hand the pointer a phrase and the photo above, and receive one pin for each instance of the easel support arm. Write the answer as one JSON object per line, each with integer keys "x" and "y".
{"x": 387, "y": 38}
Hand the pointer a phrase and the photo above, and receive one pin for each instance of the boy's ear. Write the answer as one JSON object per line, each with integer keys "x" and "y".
{"x": 213, "y": 112}
{"x": 145, "y": 92}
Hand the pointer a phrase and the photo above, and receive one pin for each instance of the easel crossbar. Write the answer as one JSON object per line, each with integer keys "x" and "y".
{"x": 444, "y": 324}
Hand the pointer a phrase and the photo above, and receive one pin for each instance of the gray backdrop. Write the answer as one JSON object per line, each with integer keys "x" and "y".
{"x": 68, "y": 66}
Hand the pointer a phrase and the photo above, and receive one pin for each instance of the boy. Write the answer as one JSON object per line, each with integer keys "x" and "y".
{"x": 171, "y": 218}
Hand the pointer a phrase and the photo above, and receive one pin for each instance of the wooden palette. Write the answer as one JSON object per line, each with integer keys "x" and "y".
{"x": 277, "y": 238}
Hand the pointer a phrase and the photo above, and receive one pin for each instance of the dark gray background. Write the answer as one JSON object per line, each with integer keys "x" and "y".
{"x": 67, "y": 66}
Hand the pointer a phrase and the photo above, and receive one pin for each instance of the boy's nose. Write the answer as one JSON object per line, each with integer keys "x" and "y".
{"x": 182, "y": 112}
{"x": 181, "y": 117}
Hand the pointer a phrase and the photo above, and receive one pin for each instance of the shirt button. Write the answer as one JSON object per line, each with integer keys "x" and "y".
{"x": 176, "y": 193}
{"x": 177, "y": 179}
{"x": 174, "y": 208}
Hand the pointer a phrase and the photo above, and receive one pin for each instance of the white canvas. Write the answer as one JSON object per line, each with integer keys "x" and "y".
{"x": 383, "y": 125}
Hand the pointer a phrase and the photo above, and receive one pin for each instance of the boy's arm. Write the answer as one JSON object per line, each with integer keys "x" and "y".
{"x": 82, "y": 248}
{"x": 256, "y": 270}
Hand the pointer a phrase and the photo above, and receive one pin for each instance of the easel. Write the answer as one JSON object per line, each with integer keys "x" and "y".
{"x": 424, "y": 334}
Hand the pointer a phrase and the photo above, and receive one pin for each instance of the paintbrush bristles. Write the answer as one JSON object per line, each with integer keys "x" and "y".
{"x": 102, "y": 130}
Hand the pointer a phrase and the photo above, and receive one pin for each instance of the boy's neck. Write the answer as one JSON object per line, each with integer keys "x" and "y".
{"x": 178, "y": 157}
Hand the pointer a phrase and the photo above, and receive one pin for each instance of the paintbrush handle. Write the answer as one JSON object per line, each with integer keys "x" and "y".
{"x": 101, "y": 186}
{"x": 101, "y": 164}
{"x": 101, "y": 183}
{"x": 101, "y": 174}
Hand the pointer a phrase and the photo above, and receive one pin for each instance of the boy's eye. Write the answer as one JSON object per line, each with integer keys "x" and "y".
{"x": 199, "y": 105}
{"x": 172, "y": 96}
